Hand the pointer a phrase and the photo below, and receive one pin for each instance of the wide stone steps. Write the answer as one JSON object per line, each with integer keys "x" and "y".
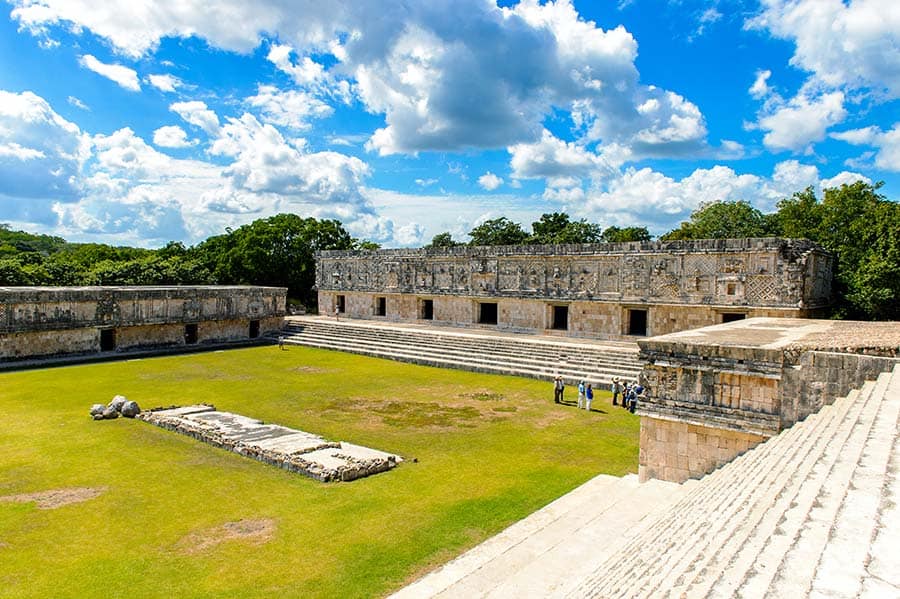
{"x": 480, "y": 353}
{"x": 457, "y": 351}
{"x": 454, "y": 347}
{"x": 813, "y": 511}
{"x": 540, "y": 555}
{"x": 524, "y": 346}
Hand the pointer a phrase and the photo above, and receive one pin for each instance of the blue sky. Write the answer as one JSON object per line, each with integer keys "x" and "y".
{"x": 141, "y": 123}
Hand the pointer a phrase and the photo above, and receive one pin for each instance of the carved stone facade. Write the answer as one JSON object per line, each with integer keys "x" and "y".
{"x": 714, "y": 393}
{"x": 49, "y": 321}
{"x": 602, "y": 290}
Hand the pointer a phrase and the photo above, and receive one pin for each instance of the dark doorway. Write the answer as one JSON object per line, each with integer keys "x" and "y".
{"x": 341, "y": 303}
{"x": 487, "y": 313}
{"x": 107, "y": 339}
{"x": 381, "y": 306}
{"x": 561, "y": 318}
{"x": 190, "y": 334}
{"x": 254, "y": 329}
{"x": 732, "y": 316}
{"x": 427, "y": 309}
{"x": 637, "y": 322}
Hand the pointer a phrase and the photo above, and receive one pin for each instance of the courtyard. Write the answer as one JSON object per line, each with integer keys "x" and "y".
{"x": 122, "y": 508}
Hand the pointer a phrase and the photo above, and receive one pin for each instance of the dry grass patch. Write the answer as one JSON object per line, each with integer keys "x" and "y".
{"x": 464, "y": 411}
{"x": 253, "y": 532}
{"x": 54, "y": 498}
{"x": 310, "y": 370}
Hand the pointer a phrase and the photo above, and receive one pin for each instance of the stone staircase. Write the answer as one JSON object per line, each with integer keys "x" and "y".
{"x": 517, "y": 355}
{"x": 540, "y": 555}
{"x": 814, "y": 511}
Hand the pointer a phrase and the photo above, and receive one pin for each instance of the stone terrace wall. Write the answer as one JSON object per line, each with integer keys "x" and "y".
{"x": 734, "y": 272}
{"x": 52, "y": 308}
{"x": 714, "y": 393}
{"x": 44, "y": 321}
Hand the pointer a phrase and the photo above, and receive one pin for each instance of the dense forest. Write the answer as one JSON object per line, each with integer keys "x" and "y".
{"x": 858, "y": 224}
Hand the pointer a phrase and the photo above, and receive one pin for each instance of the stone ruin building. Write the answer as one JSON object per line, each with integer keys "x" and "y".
{"x": 603, "y": 291}
{"x": 716, "y": 392}
{"x": 55, "y": 321}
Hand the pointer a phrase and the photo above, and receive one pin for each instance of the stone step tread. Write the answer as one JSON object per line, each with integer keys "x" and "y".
{"x": 521, "y": 356}
{"x": 843, "y": 563}
{"x": 796, "y": 570}
{"x": 532, "y": 551}
{"x": 515, "y": 346}
{"x": 793, "y": 500}
{"x": 543, "y": 559}
{"x": 884, "y": 564}
{"x": 600, "y": 375}
{"x": 723, "y": 578}
{"x": 574, "y": 557}
{"x": 627, "y": 346}
{"x": 470, "y": 561}
{"x": 762, "y": 516}
{"x": 723, "y": 527}
{"x": 543, "y": 365}
{"x": 718, "y": 486}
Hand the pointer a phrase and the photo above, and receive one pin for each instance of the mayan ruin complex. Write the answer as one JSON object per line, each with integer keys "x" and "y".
{"x": 602, "y": 291}
{"x": 53, "y": 321}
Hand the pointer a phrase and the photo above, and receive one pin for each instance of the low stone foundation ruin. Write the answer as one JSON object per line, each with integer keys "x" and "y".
{"x": 716, "y": 392}
{"x": 40, "y": 322}
{"x": 287, "y": 448}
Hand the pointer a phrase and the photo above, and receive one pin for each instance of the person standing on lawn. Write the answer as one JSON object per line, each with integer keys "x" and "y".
{"x": 558, "y": 387}
{"x": 616, "y": 388}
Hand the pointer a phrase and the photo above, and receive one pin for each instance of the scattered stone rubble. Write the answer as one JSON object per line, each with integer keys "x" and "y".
{"x": 119, "y": 406}
{"x": 287, "y": 448}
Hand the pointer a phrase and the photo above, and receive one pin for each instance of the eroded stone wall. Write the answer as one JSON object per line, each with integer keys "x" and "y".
{"x": 681, "y": 285}
{"x": 47, "y": 321}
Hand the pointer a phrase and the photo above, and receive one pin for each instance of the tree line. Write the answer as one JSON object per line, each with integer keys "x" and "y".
{"x": 855, "y": 222}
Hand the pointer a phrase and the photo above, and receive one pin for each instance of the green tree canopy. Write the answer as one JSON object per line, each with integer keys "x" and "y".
{"x": 722, "y": 220}
{"x": 279, "y": 251}
{"x": 615, "y": 234}
{"x": 498, "y": 231}
{"x": 557, "y": 227}
{"x": 862, "y": 228}
{"x": 443, "y": 240}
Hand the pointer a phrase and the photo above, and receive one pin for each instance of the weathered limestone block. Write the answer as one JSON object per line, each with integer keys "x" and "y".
{"x": 287, "y": 448}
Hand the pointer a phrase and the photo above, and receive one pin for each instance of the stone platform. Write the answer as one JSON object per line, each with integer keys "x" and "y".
{"x": 287, "y": 448}
{"x": 713, "y": 393}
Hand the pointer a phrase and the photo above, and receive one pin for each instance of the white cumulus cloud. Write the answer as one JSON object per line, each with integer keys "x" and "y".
{"x": 197, "y": 113}
{"x": 164, "y": 82}
{"x": 490, "y": 181}
{"x": 172, "y": 136}
{"x": 887, "y": 144}
{"x": 446, "y": 77}
{"x": 760, "y": 88}
{"x": 41, "y": 156}
{"x": 288, "y": 108}
{"x": 801, "y": 121}
{"x": 125, "y": 77}
{"x": 848, "y": 45}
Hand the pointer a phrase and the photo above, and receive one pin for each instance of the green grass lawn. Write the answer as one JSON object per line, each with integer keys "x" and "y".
{"x": 490, "y": 450}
